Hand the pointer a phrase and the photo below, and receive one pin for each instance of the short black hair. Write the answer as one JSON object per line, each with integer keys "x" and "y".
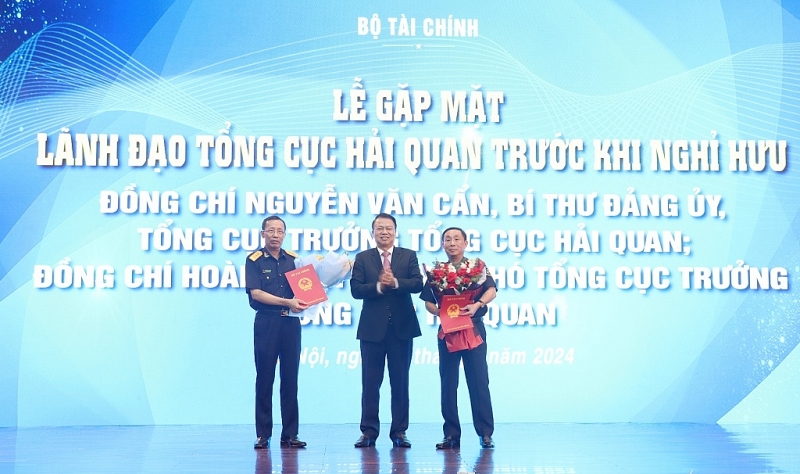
{"x": 272, "y": 218}
{"x": 384, "y": 215}
{"x": 454, "y": 228}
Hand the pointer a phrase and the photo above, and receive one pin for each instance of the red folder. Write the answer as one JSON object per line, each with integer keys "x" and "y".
{"x": 306, "y": 285}
{"x": 449, "y": 310}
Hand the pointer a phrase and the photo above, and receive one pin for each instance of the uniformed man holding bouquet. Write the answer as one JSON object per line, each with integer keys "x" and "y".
{"x": 462, "y": 276}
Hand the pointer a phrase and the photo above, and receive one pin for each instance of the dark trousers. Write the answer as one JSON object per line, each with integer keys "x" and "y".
{"x": 396, "y": 353}
{"x": 476, "y": 372}
{"x": 276, "y": 337}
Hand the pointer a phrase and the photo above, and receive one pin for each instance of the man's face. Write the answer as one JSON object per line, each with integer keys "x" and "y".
{"x": 273, "y": 234}
{"x": 384, "y": 232}
{"x": 454, "y": 244}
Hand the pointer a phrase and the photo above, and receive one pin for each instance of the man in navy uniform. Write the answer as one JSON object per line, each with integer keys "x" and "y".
{"x": 276, "y": 333}
{"x": 476, "y": 371}
{"x": 384, "y": 278}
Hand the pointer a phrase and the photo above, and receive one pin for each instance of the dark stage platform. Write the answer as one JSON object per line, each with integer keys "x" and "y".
{"x": 521, "y": 448}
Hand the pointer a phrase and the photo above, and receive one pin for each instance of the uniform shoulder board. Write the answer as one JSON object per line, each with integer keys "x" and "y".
{"x": 255, "y": 255}
{"x": 290, "y": 253}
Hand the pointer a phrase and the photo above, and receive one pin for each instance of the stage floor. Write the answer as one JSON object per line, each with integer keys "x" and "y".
{"x": 521, "y": 448}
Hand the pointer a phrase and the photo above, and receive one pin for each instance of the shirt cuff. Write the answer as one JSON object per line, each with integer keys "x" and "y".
{"x": 395, "y": 286}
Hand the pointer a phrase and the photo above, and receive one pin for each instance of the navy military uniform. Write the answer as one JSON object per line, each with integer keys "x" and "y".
{"x": 476, "y": 371}
{"x": 276, "y": 335}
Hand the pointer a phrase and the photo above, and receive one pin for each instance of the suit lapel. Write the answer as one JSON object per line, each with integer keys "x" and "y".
{"x": 395, "y": 259}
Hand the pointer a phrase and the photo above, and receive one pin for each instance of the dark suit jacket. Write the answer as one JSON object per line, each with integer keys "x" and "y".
{"x": 377, "y": 308}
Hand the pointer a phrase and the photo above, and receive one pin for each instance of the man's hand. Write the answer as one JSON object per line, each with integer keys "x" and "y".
{"x": 296, "y": 305}
{"x": 470, "y": 309}
{"x": 386, "y": 280}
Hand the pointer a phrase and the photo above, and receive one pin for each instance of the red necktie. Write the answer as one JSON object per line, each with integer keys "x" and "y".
{"x": 386, "y": 263}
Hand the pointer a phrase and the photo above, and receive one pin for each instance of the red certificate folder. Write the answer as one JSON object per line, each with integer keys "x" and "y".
{"x": 449, "y": 310}
{"x": 306, "y": 285}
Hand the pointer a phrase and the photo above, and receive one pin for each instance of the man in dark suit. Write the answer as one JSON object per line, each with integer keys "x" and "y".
{"x": 385, "y": 277}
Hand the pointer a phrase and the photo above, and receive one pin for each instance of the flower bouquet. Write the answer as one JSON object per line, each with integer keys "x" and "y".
{"x": 332, "y": 269}
{"x": 465, "y": 278}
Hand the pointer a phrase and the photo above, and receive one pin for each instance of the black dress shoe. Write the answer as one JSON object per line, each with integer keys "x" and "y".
{"x": 261, "y": 443}
{"x": 401, "y": 441}
{"x": 293, "y": 442}
{"x": 487, "y": 443}
{"x": 448, "y": 443}
{"x": 364, "y": 442}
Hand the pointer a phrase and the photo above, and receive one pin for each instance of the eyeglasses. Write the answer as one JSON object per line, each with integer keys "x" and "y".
{"x": 383, "y": 229}
{"x": 273, "y": 232}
